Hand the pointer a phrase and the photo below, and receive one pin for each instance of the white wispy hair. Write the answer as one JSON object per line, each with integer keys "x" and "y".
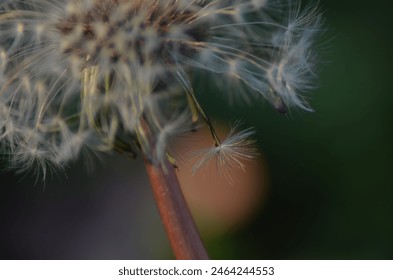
{"x": 113, "y": 74}
{"x": 232, "y": 153}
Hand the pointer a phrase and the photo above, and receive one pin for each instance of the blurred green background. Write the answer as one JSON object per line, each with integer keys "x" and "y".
{"x": 330, "y": 172}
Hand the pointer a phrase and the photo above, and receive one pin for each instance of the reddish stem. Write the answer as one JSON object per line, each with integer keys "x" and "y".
{"x": 182, "y": 232}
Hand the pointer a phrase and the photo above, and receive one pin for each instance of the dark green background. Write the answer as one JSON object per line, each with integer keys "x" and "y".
{"x": 331, "y": 192}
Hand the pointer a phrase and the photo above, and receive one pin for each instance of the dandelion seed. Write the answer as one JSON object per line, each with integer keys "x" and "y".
{"x": 110, "y": 74}
{"x": 233, "y": 152}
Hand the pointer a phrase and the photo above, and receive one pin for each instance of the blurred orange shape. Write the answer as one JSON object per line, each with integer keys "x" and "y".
{"x": 217, "y": 204}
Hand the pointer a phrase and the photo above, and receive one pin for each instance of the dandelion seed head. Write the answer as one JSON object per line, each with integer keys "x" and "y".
{"x": 114, "y": 74}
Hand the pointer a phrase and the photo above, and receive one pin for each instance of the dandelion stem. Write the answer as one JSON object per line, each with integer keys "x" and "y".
{"x": 179, "y": 225}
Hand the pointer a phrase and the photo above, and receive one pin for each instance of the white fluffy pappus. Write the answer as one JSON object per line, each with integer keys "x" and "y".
{"x": 113, "y": 74}
{"x": 232, "y": 153}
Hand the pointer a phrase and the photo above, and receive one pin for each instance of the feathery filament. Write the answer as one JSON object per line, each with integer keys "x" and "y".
{"x": 116, "y": 74}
